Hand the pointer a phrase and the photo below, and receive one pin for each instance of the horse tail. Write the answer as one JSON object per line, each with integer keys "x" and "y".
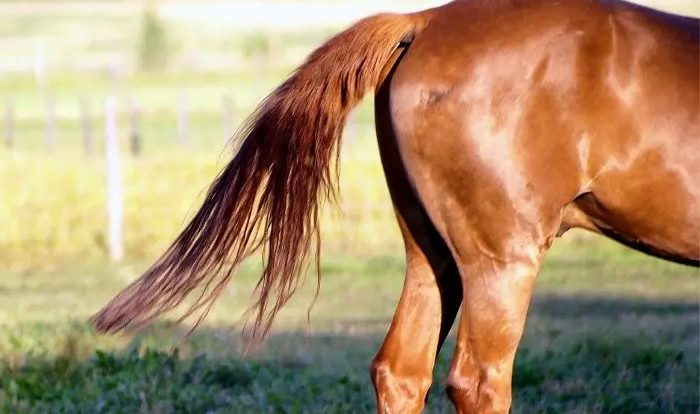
{"x": 269, "y": 195}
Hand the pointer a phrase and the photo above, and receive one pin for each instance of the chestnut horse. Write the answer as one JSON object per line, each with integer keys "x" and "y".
{"x": 501, "y": 124}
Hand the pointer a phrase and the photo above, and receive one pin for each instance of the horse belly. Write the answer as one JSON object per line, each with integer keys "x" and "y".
{"x": 650, "y": 207}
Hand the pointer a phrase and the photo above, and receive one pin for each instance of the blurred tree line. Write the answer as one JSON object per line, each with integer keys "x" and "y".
{"x": 156, "y": 46}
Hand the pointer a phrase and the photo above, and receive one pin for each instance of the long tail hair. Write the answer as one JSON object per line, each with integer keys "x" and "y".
{"x": 270, "y": 193}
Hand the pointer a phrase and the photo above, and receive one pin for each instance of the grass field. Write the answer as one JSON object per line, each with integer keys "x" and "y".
{"x": 56, "y": 212}
{"x": 610, "y": 331}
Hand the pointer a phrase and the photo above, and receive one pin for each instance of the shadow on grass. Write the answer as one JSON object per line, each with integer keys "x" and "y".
{"x": 567, "y": 305}
{"x": 568, "y": 362}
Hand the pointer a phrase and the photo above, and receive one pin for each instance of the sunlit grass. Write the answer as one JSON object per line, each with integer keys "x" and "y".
{"x": 54, "y": 206}
{"x": 594, "y": 341}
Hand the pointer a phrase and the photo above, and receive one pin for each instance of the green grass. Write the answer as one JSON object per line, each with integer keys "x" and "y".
{"x": 609, "y": 331}
{"x": 57, "y": 210}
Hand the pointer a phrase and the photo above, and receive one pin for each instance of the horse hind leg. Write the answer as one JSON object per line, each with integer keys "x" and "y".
{"x": 496, "y": 277}
{"x": 402, "y": 370}
{"x": 496, "y": 235}
{"x": 446, "y": 268}
{"x": 498, "y": 250}
{"x": 494, "y": 308}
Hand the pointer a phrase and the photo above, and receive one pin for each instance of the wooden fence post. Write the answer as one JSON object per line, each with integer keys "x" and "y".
{"x": 227, "y": 104}
{"x": 86, "y": 124}
{"x": 9, "y": 124}
{"x": 135, "y": 128}
{"x": 115, "y": 211}
{"x": 183, "y": 120}
{"x": 50, "y": 139}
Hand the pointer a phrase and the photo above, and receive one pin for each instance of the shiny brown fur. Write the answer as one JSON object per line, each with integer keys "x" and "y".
{"x": 501, "y": 125}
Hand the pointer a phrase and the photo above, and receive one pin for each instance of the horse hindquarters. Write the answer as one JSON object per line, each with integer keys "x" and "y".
{"x": 402, "y": 370}
{"x": 488, "y": 263}
{"x": 453, "y": 121}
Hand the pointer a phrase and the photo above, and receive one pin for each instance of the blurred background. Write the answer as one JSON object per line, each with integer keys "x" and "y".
{"x": 114, "y": 118}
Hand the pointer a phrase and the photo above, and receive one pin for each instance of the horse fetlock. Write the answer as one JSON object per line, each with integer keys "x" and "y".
{"x": 479, "y": 392}
{"x": 398, "y": 392}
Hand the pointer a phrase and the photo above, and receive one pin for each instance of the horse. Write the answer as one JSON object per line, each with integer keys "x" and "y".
{"x": 501, "y": 124}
